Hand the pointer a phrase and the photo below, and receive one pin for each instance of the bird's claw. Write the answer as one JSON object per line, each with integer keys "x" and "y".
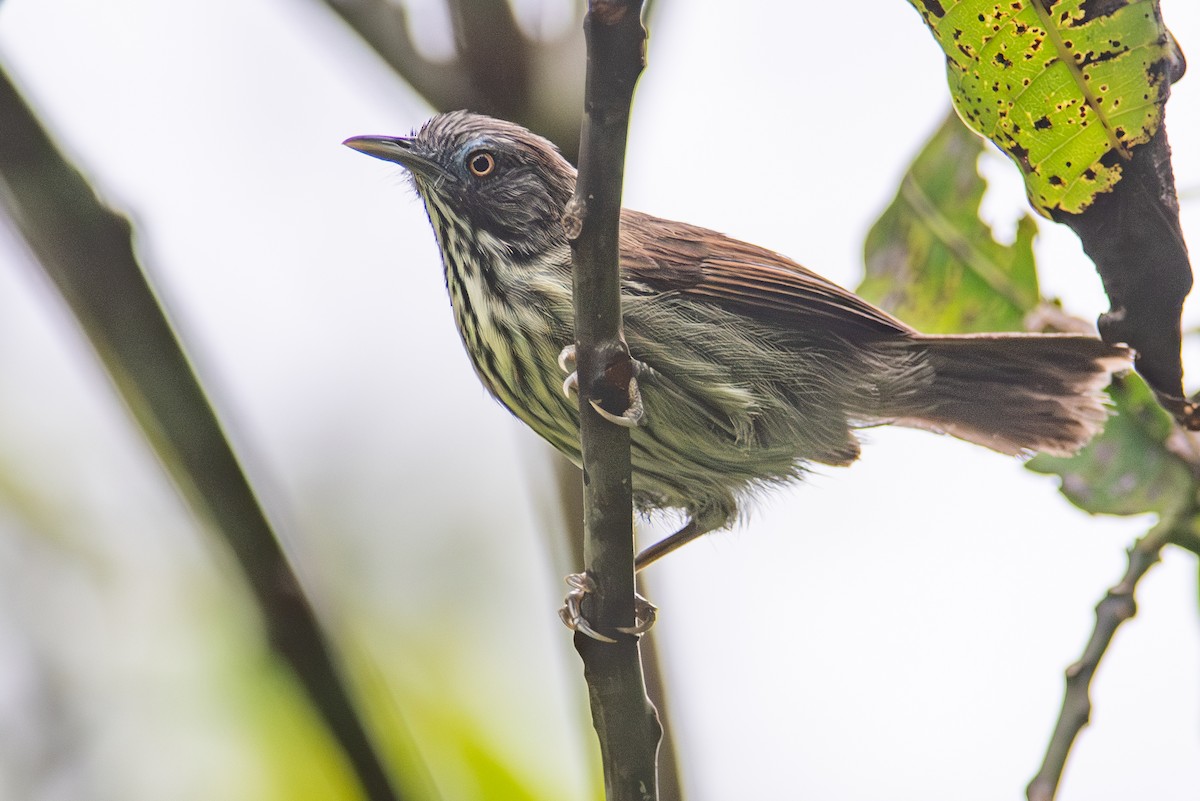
{"x": 634, "y": 414}
{"x": 571, "y": 614}
{"x": 566, "y": 359}
{"x": 566, "y": 363}
{"x": 571, "y": 384}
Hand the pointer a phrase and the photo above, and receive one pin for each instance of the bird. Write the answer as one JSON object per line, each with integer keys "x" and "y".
{"x": 750, "y": 369}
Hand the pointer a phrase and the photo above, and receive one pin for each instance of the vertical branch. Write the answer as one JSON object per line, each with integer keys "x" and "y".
{"x": 567, "y": 546}
{"x": 625, "y": 721}
{"x": 86, "y": 250}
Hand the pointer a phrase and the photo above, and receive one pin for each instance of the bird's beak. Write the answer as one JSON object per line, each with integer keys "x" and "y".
{"x": 399, "y": 150}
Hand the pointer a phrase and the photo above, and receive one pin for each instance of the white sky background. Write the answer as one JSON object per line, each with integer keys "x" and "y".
{"x": 897, "y": 630}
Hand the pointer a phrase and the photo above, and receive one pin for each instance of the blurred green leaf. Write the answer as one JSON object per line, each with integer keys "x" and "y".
{"x": 438, "y": 741}
{"x": 1066, "y": 89}
{"x": 300, "y": 759}
{"x": 932, "y": 261}
{"x": 1127, "y": 469}
{"x": 438, "y": 748}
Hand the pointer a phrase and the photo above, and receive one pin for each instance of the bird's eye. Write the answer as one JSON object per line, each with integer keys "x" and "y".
{"x": 481, "y": 163}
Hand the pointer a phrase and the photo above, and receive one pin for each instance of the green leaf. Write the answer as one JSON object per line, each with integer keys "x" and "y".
{"x": 1127, "y": 469}
{"x": 1065, "y": 88}
{"x": 932, "y": 261}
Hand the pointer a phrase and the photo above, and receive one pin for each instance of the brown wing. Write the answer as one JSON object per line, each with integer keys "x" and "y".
{"x": 697, "y": 263}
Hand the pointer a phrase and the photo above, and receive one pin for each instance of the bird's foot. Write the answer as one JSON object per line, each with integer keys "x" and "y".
{"x": 635, "y": 412}
{"x": 571, "y": 613}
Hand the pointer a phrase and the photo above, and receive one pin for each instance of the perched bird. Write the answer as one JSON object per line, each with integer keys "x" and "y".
{"x": 751, "y": 367}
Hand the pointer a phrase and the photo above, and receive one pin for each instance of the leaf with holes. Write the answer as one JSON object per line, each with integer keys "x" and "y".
{"x": 1128, "y": 469}
{"x": 1066, "y": 88}
{"x": 932, "y": 261}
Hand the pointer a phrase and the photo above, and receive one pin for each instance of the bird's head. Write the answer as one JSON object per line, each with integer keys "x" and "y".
{"x": 487, "y": 175}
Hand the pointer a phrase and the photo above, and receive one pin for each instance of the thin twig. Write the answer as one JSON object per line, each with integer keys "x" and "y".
{"x": 1115, "y": 608}
{"x": 86, "y": 250}
{"x": 625, "y": 721}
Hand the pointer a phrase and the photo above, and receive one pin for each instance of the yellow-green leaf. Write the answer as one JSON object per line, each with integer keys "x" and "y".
{"x": 1066, "y": 88}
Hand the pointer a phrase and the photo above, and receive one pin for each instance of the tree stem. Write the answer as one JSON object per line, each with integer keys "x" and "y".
{"x": 625, "y": 721}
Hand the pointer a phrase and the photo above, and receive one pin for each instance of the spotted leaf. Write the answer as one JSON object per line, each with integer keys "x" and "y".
{"x": 1067, "y": 88}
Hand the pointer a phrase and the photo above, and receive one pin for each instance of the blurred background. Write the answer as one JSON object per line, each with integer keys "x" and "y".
{"x": 893, "y": 630}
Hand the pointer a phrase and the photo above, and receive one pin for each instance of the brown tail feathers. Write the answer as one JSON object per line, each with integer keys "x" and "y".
{"x": 1016, "y": 393}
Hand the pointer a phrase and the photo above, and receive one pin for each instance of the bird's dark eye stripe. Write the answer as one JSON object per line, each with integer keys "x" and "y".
{"x": 481, "y": 163}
